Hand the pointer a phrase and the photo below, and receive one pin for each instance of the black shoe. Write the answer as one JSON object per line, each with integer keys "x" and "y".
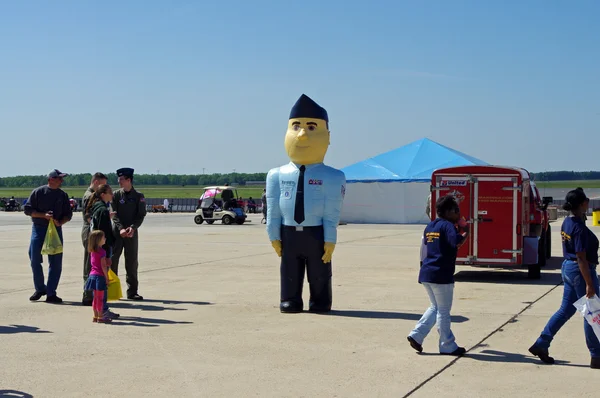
{"x": 36, "y": 296}
{"x": 290, "y": 308}
{"x": 54, "y": 299}
{"x": 318, "y": 310}
{"x": 414, "y": 344}
{"x": 86, "y": 302}
{"x": 595, "y": 363}
{"x": 135, "y": 297}
{"x": 460, "y": 351}
{"x": 542, "y": 353}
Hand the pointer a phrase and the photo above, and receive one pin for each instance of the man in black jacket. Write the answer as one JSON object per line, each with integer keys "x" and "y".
{"x": 47, "y": 204}
{"x": 130, "y": 208}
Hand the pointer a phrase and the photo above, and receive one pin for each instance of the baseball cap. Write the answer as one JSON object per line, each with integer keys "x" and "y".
{"x": 57, "y": 174}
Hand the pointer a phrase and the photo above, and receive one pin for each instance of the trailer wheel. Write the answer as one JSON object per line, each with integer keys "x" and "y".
{"x": 549, "y": 242}
{"x": 542, "y": 250}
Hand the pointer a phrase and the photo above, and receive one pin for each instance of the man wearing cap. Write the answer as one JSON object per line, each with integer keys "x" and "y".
{"x": 304, "y": 201}
{"x": 47, "y": 204}
{"x": 97, "y": 180}
{"x": 130, "y": 208}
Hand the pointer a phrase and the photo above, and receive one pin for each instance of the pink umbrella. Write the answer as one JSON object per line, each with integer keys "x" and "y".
{"x": 210, "y": 193}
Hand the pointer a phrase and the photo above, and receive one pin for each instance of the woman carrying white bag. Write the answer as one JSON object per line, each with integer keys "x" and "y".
{"x": 580, "y": 249}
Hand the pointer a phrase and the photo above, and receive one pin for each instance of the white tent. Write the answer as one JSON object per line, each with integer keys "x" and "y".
{"x": 392, "y": 188}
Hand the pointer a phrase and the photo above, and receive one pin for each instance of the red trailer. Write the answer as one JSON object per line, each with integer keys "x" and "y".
{"x": 509, "y": 223}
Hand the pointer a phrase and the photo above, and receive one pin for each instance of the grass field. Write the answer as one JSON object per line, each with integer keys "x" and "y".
{"x": 172, "y": 192}
{"x": 568, "y": 184}
{"x": 151, "y": 192}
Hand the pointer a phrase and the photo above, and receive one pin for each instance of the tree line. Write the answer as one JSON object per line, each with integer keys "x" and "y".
{"x": 566, "y": 175}
{"x": 238, "y": 179}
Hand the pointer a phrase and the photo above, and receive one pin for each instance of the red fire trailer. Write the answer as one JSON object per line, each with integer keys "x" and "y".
{"x": 508, "y": 220}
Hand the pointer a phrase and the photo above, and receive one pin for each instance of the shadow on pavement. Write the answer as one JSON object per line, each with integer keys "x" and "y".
{"x": 516, "y": 276}
{"x": 139, "y": 305}
{"x": 510, "y": 357}
{"x": 146, "y": 322}
{"x": 14, "y": 329}
{"x": 386, "y": 315}
{"x": 14, "y": 394}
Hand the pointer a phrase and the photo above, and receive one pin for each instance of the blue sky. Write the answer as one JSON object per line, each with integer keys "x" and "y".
{"x": 179, "y": 86}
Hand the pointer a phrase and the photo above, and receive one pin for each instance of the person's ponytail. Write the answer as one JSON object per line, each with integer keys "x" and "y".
{"x": 567, "y": 206}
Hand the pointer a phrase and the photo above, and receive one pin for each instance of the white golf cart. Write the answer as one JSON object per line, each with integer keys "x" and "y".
{"x": 219, "y": 203}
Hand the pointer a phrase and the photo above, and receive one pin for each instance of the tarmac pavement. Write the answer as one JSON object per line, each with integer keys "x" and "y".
{"x": 210, "y": 325}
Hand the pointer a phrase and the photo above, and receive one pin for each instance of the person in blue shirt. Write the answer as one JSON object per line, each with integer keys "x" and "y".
{"x": 442, "y": 241}
{"x": 580, "y": 251}
{"x": 304, "y": 202}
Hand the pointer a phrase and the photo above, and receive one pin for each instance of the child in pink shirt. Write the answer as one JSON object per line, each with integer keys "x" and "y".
{"x": 98, "y": 279}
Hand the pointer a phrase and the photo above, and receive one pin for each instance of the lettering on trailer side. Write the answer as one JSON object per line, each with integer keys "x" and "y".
{"x": 495, "y": 199}
{"x": 453, "y": 183}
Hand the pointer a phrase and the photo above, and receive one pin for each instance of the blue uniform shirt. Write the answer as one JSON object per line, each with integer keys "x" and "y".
{"x": 441, "y": 241}
{"x": 576, "y": 238}
{"x": 324, "y": 190}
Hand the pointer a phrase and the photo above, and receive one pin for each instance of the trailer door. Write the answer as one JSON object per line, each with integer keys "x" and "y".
{"x": 495, "y": 227}
{"x": 461, "y": 187}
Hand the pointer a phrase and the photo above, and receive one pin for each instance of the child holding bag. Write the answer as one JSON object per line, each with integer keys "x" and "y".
{"x": 98, "y": 279}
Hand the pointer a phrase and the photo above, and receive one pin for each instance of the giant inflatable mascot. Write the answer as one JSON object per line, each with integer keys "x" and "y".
{"x": 304, "y": 201}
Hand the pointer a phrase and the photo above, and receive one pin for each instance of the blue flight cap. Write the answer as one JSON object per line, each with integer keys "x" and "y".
{"x": 126, "y": 172}
{"x": 306, "y": 107}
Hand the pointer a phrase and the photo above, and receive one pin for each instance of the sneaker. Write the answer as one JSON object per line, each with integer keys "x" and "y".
{"x": 542, "y": 353}
{"x": 414, "y": 344}
{"x": 54, "y": 299}
{"x": 104, "y": 320}
{"x": 36, "y": 296}
{"x": 460, "y": 351}
{"x": 111, "y": 315}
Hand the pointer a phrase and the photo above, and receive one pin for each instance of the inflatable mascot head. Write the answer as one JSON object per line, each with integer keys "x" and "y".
{"x": 307, "y": 137}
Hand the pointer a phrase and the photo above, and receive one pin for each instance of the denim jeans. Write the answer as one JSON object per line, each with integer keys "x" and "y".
{"x": 38, "y": 234}
{"x": 574, "y": 289}
{"x": 438, "y": 312}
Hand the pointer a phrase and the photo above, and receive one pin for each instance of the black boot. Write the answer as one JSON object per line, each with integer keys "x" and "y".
{"x": 595, "y": 363}
{"x": 542, "y": 353}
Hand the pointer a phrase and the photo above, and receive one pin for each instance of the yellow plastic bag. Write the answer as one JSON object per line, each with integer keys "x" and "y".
{"x": 52, "y": 244}
{"x": 114, "y": 287}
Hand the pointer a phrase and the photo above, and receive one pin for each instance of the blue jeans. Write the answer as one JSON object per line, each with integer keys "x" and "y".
{"x": 438, "y": 312}
{"x": 38, "y": 234}
{"x": 574, "y": 290}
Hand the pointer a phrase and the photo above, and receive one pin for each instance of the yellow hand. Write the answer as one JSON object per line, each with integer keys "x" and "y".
{"x": 277, "y": 246}
{"x": 329, "y": 247}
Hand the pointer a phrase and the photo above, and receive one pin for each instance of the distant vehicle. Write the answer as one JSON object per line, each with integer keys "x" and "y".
{"x": 509, "y": 221}
{"x": 219, "y": 203}
{"x": 10, "y": 204}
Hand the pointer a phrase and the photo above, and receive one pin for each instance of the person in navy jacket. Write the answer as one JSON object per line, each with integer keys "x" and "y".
{"x": 442, "y": 240}
{"x": 580, "y": 250}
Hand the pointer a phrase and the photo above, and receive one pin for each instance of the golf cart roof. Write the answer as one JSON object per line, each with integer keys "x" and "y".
{"x": 218, "y": 187}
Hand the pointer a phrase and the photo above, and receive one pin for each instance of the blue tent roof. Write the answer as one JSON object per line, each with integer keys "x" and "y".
{"x": 413, "y": 162}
